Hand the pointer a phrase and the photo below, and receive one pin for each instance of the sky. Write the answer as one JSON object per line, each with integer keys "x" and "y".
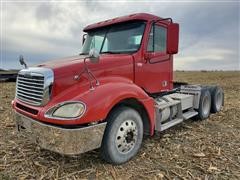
{"x": 45, "y": 30}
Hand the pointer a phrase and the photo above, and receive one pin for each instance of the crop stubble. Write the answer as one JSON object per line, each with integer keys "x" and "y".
{"x": 191, "y": 150}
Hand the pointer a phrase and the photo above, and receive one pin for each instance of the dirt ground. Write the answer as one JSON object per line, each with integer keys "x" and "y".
{"x": 207, "y": 149}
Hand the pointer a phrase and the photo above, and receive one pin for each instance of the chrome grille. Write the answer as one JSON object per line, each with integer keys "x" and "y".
{"x": 33, "y": 85}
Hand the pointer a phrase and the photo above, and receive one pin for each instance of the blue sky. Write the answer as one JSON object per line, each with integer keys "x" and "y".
{"x": 44, "y": 30}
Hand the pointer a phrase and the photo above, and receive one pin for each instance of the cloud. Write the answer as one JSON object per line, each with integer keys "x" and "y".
{"x": 207, "y": 59}
{"x": 209, "y": 32}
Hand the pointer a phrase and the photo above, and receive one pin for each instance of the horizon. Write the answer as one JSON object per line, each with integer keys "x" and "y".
{"x": 40, "y": 31}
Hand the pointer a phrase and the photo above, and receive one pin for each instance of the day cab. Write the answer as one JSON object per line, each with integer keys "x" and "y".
{"x": 118, "y": 88}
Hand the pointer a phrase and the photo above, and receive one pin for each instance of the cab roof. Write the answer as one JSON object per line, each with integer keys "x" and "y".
{"x": 137, "y": 16}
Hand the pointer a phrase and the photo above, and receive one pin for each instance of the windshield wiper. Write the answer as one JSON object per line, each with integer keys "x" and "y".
{"x": 115, "y": 52}
{"x": 110, "y": 52}
{"x": 83, "y": 54}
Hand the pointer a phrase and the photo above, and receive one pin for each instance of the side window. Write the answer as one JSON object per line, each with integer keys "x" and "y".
{"x": 157, "y": 39}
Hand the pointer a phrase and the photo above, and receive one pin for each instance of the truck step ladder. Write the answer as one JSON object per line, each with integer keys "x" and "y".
{"x": 172, "y": 110}
{"x": 171, "y": 123}
{"x": 160, "y": 125}
{"x": 189, "y": 114}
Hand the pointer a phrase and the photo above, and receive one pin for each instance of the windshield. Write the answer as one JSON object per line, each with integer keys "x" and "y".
{"x": 120, "y": 38}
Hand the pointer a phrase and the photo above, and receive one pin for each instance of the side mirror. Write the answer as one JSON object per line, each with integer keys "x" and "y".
{"x": 93, "y": 56}
{"x": 22, "y": 62}
{"x": 84, "y": 38}
{"x": 172, "y": 38}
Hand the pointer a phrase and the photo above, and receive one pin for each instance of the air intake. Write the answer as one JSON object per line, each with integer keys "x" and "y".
{"x": 34, "y": 86}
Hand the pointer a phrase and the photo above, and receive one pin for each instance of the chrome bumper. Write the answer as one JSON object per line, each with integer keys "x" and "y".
{"x": 60, "y": 140}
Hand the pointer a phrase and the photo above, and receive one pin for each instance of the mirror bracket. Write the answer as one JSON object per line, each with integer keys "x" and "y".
{"x": 93, "y": 56}
{"x": 148, "y": 56}
{"x": 83, "y": 38}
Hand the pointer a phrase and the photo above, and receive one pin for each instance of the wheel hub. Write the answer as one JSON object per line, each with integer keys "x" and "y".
{"x": 219, "y": 100}
{"x": 206, "y": 105}
{"x": 126, "y": 136}
{"x": 129, "y": 137}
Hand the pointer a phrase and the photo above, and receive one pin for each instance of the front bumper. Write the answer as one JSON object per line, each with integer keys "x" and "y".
{"x": 60, "y": 140}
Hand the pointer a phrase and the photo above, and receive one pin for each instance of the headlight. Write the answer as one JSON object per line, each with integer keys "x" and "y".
{"x": 67, "y": 110}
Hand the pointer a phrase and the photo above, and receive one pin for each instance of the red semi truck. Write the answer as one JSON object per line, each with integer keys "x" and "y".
{"x": 117, "y": 89}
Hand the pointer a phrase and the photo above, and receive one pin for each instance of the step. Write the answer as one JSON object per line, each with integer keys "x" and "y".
{"x": 170, "y": 123}
{"x": 189, "y": 114}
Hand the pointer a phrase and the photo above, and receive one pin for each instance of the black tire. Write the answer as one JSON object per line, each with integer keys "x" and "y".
{"x": 217, "y": 97}
{"x": 124, "y": 128}
{"x": 204, "y": 104}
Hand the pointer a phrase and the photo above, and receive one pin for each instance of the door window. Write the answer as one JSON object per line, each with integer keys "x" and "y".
{"x": 157, "y": 39}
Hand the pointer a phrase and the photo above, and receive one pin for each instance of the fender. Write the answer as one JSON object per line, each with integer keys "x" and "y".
{"x": 101, "y": 100}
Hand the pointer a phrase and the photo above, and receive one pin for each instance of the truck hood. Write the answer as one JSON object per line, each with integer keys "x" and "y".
{"x": 65, "y": 70}
{"x": 58, "y": 63}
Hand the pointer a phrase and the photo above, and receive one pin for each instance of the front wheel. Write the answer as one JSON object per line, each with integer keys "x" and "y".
{"x": 123, "y": 135}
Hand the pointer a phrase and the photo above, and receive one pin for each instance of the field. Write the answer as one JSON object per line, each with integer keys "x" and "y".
{"x": 207, "y": 149}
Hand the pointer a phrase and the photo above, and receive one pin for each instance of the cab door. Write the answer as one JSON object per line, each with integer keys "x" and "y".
{"x": 158, "y": 66}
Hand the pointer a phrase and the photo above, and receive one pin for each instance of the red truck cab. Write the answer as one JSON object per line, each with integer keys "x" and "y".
{"x": 113, "y": 91}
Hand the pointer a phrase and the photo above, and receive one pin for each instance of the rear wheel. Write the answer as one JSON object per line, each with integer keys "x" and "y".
{"x": 123, "y": 136}
{"x": 217, "y": 97}
{"x": 204, "y": 104}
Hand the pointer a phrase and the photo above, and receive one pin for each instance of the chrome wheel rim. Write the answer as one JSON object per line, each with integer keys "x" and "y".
{"x": 126, "y": 137}
{"x": 206, "y": 105}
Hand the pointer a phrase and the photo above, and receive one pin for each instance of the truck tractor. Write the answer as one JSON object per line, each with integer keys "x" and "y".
{"x": 119, "y": 88}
